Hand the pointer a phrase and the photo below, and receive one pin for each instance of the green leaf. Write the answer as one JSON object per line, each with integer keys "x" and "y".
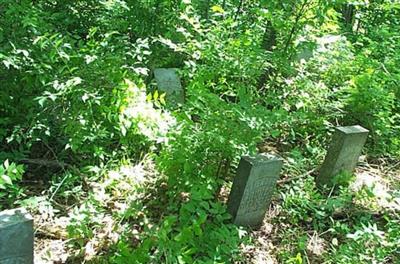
{"x": 6, "y": 179}
{"x": 162, "y": 99}
{"x": 6, "y": 164}
{"x": 217, "y": 9}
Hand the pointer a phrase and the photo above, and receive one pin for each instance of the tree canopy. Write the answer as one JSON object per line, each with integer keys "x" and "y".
{"x": 118, "y": 174}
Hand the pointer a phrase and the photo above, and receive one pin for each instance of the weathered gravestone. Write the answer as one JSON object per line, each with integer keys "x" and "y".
{"x": 343, "y": 154}
{"x": 169, "y": 82}
{"x": 252, "y": 189}
{"x": 16, "y": 237}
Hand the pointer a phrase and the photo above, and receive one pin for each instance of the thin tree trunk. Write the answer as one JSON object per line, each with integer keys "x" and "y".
{"x": 206, "y": 10}
{"x": 295, "y": 25}
{"x": 348, "y": 13}
{"x": 269, "y": 38}
{"x": 268, "y": 43}
{"x": 239, "y": 9}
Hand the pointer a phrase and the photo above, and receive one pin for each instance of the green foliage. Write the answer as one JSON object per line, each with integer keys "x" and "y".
{"x": 77, "y": 93}
{"x": 197, "y": 235}
{"x": 10, "y": 174}
{"x": 195, "y": 161}
{"x": 353, "y": 233}
{"x": 373, "y": 101}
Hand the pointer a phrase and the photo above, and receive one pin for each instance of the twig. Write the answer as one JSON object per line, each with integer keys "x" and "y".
{"x": 59, "y": 186}
{"x": 46, "y": 163}
{"x": 391, "y": 167}
{"x": 51, "y": 233}
{"x": 294, "y": 28}
{"x": 286, "y": 180}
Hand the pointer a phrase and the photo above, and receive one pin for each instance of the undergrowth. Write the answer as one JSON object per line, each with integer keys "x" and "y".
{"x": 94, "y": 150}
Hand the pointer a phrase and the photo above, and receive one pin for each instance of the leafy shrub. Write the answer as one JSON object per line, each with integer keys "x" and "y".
{"x": 353, "y": 232}
{"x": 10, "y": 174}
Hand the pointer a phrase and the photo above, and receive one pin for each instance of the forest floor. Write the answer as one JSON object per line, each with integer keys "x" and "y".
{"x": 383, "y": 177}
{"x": 52, "y": 244}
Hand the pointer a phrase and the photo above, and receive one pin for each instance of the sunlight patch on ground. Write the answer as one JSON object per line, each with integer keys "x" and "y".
{"x": 374, "y": 182}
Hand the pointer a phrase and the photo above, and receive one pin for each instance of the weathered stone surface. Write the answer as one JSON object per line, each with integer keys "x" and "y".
{"x": 343, "y": 154}
{"x": 252, "y": 189}
{"x": 169, "y": 82}
{"x": 16, "y": 237}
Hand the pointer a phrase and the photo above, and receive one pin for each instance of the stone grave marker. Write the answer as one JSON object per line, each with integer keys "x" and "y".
{"x": 252, "y": 189}
{"x": 168, "y": 82}
{"x": 16, "y": 237}
{"x": 343, "y": 153}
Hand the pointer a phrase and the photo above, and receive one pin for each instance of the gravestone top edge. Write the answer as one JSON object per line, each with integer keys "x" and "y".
{"x": 14, "y": 216}
{"x": 263, "y": 158}
{"x": 352, "y": 129}
{"x": 166, "y": 69}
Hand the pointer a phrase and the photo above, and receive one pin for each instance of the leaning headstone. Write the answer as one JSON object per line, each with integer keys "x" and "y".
{"x": 252, "y": 189}
{"x": 169, "y": 82}
{"x": 16, "y": 237}
{"x": 343, "y": 153}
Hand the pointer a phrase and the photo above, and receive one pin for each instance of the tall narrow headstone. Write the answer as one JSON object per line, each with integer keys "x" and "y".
{"x": 16, "y": 237}
{"x": 169, "y": 82}
{"x": 343, "y": 153}
{"x": 252, "y": 189}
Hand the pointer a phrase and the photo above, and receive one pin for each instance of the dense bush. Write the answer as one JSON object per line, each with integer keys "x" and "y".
{"x": 141, "y": 182}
